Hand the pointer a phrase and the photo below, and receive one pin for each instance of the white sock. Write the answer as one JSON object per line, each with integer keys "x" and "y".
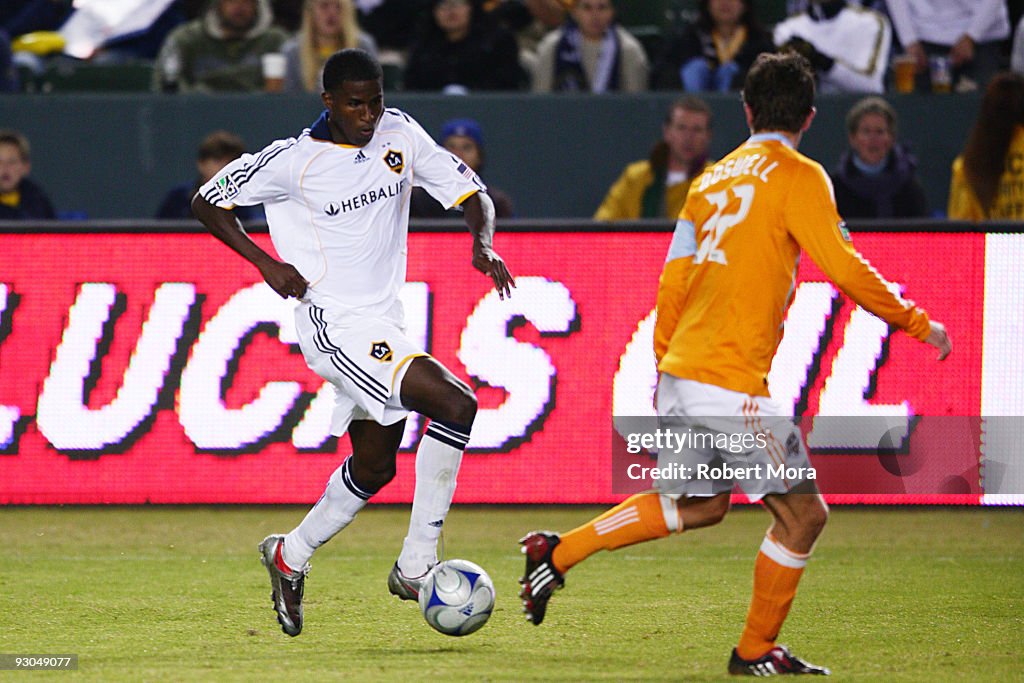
{"x": 336, "y": 508}
{"x": 437, "y": 465}
{"x": 671, "y": 512}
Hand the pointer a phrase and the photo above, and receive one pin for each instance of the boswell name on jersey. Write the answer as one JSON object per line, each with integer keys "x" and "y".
{"x": 756, "y": 165}
{"x": 340, "y": 213}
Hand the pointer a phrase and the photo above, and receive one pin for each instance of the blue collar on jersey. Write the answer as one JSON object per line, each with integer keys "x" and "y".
{"x": 761, "y": 137}
{"x": 320, "y": 130}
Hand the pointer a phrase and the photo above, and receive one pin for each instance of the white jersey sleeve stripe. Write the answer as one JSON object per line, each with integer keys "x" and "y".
{"x": 243, "y": 175}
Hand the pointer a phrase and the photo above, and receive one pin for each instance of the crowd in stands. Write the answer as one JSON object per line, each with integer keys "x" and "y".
{"x": 577, "y": 46}
{"x": 466, "y": 46}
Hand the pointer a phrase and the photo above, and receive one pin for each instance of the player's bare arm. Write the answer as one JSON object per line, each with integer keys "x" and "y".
{"x": 480, "y": 219}
{"x": 283, "y": 278}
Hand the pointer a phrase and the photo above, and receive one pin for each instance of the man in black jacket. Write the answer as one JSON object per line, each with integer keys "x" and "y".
{"x": 876, "y": 177}
{"x": 20, "y": 198}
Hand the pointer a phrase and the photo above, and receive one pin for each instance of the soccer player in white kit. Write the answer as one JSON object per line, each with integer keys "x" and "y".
{"x": 337, "y": 203}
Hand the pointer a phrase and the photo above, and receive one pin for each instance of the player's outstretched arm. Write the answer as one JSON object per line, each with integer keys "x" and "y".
{"x": 283, "y": 278}
{"x": 479, "y": 213}
{"x": 938, "y": 338}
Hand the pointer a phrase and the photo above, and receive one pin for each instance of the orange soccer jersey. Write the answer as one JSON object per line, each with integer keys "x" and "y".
{"x": 731, "y": 269}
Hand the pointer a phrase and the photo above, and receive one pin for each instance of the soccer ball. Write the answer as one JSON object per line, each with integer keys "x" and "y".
{"x": 457, "y": 597}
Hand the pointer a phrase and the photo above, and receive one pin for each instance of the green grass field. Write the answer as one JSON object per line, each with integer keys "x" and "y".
{"x": 178, "y": 594}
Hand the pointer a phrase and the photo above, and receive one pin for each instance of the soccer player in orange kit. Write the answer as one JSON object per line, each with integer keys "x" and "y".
{"x": 722, "y": 299}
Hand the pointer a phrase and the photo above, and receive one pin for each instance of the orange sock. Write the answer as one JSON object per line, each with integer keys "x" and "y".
{"x": 776, "y": 574}
{"x": 642, "y": 517}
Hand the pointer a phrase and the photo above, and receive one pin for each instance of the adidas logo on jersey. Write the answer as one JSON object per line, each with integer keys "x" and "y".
{"x": 360, "y": 157}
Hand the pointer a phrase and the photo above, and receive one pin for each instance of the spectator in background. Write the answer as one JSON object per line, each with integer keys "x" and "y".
{"x": 20, "y": 198}
{"x": 215, "y": 152}
{"x": 714, "y": 52}
{"x": 657, "y": 187}
{"x": 392, "y": 23}
{"x": 988, "y": 177}
{"x": 8, "y": 74}
{"x": 847, "y": 45}
{"x": 221, "y": 50}
{"x": 1017, "y": 50}
{"x": 19, "y": 17}
{"x": 876, "y": 177}
{"x": 465, "y": 139}
{"x": 327, "y": 26}
{"x": 459, "y": 49}
{"x": 590, "y": 53}
{"x": 969, "y": 34}
{"x": 288, "y": 14}
{"x": 126, "y": 31}
{"x": 529, "y": 21}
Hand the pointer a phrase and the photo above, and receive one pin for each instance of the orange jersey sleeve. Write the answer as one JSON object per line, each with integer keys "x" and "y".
{"x": 814, "y": 222}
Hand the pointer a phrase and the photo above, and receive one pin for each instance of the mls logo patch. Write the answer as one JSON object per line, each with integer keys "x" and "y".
{"x": 394, "y": 160}
{"x": 844, "y": 231}
{"x": 227, "y": 187}
{"x": 381, "y": 351}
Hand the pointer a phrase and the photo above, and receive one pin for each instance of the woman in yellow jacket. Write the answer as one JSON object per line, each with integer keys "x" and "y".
{"x": 988, "y": 178}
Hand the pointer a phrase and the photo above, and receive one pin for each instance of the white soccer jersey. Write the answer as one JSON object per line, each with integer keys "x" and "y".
{"x": 857, "y": 38}
{"x": 340, "y": 213}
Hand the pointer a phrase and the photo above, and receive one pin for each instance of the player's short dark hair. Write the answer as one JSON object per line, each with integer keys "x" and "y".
{"x": 350, "y": 64}
{"x": 779, "y": 91}
{"x": 220, "y": 144}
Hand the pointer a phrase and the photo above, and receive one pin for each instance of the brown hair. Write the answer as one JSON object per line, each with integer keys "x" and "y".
{"x": 870, "y": 105}
{"x": 1002, "y": 110}
{"x": 689, "y": 103}
{"x": 220, "y": 144}
{"x": 779, "y": 90}
{"x": 13, "y": 137}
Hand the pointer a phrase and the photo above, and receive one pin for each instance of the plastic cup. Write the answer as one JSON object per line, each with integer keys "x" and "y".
{"x": 904, "y": 68}
{"x": 273, "y": 64}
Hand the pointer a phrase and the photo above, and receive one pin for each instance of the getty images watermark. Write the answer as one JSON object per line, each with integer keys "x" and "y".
{"x": 711, "y": 455}
{"x": 686, "y": 440}
{"x": 968, "y": 456}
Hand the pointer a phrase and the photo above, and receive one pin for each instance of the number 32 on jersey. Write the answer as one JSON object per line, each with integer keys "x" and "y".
{"x": 714, "y": 228}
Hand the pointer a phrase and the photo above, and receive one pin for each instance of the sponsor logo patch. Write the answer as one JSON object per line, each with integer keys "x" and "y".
{"x": 332, "y": 208}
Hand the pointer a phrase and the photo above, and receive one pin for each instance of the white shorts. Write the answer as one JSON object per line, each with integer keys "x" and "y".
{"x": 731, "y": 438}
{"x": 365, "y": 361}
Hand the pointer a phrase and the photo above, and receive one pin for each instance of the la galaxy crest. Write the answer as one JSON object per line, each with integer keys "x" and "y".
{"x": 394, "y": 160}
{"x": 381, "y": 351}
